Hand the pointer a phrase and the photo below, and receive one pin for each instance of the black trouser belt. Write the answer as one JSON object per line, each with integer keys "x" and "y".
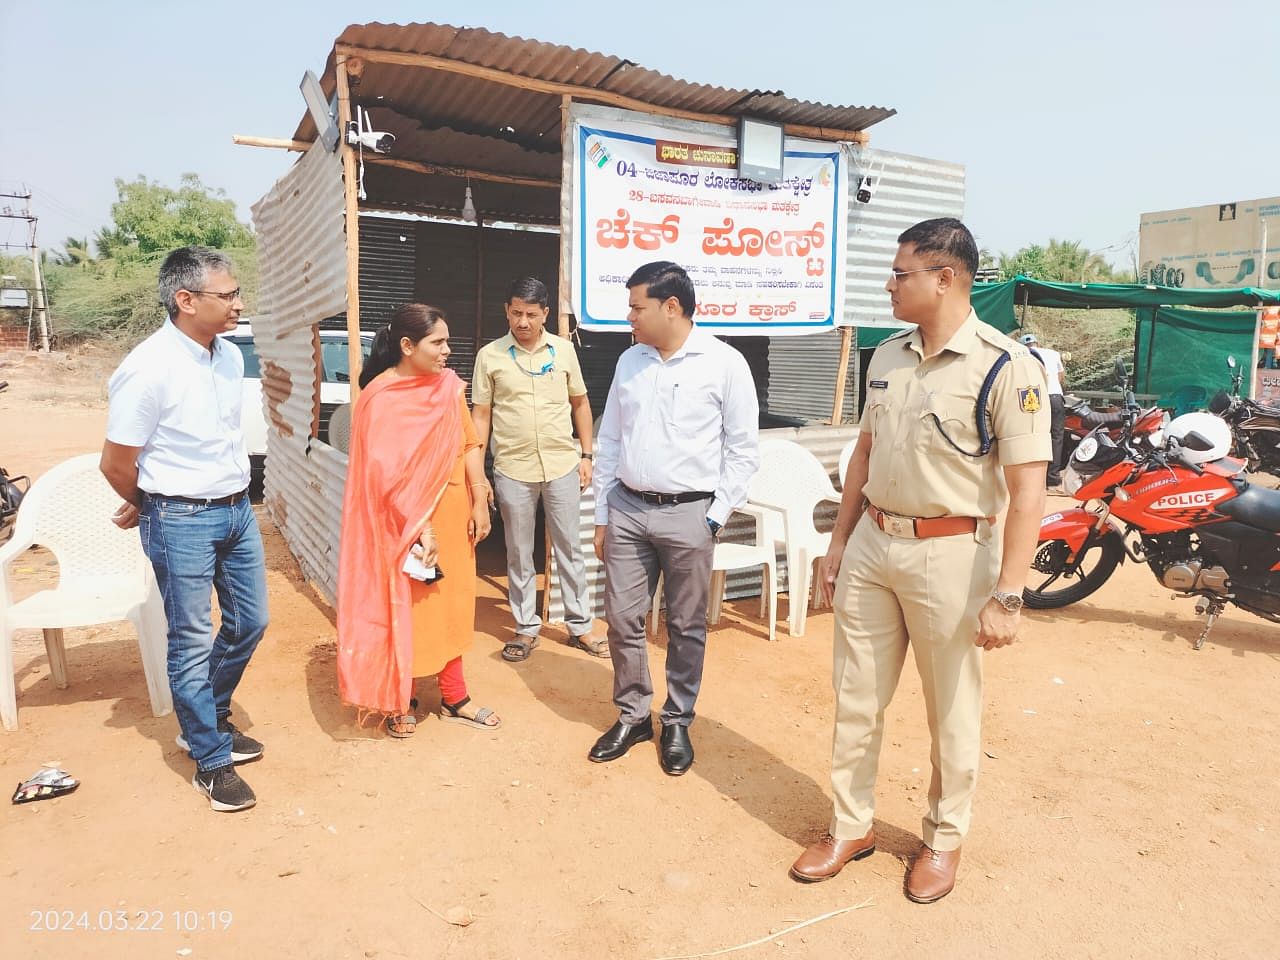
{"x": 666, "y": 499}
{"x": 229, "y": 500}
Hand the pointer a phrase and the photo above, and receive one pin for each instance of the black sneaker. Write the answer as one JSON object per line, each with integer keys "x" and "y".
{"x": 226, "y": 791}
{"x": 243, "y": 748}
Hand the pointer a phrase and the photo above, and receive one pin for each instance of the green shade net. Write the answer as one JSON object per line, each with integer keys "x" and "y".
{"x": 997, "y": 303}
{"x": 1182, "y": 354}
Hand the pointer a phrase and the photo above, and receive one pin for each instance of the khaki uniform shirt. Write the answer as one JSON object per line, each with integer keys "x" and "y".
{"x": 532, "y": 428}
{"x": 914, "y": 404}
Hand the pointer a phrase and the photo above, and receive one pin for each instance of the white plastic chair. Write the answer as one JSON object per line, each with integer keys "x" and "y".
{"x": 791, "y": 482}
{"x": 845, "y": 456}
{"x": 103, "y": 576}
{"x": 736, "y": 556}
{"x": 340, "y": 428}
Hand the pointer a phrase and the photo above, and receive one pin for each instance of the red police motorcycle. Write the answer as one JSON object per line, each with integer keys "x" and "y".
{"x": 1170, "y": 499}
{"x": 1080, "y": 418}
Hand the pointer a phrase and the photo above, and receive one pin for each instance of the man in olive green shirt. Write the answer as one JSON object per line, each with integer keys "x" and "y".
{"x": 529, "y": 395}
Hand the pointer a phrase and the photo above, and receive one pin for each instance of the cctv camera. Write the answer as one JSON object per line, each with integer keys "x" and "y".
{"x": 374, "y": 140}
{"x": 360, "y": 132}
{"x": 865, "y": 189}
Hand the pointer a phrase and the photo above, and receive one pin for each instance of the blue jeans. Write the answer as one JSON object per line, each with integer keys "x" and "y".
{"x": 195, "y": 550}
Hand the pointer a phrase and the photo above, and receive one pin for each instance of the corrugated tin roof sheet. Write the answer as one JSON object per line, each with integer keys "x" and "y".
{"x": 436, "y": 98}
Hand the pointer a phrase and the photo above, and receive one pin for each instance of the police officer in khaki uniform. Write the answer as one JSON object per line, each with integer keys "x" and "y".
{"x": 918, "y": 556}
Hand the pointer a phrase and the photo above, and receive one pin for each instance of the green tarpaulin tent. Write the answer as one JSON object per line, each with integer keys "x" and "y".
{"x": 1179, "y": 353}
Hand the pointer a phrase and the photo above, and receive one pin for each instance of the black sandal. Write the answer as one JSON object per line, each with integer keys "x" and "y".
{"x": 518, "y": 649}
{"x": 452, "y": 713}
{"x": 403, "y": 726}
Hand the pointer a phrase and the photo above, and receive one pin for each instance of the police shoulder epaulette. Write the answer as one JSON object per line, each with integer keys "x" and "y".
{"x": 995, "y": 338}
{"x": 904, "y": 332}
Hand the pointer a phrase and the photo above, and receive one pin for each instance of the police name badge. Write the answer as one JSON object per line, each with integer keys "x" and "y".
{"x": 1029, "y": 399}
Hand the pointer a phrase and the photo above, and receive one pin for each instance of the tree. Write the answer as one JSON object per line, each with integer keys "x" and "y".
{"x": 75, "y": 253}
{"x": 1062, "y": 261}
{"x": 149, "y": 218}
{"x": 1091, "y": 339}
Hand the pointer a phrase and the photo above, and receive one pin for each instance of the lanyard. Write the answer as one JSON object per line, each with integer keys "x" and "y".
{"x": 546, "y": 367}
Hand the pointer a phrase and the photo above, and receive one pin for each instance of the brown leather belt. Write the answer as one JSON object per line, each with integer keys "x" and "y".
{"x": 227, "y": 501}
{"x": 919, "y": 528}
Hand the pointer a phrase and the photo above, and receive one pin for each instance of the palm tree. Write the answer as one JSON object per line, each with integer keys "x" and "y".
{"x": 75, "y": 253}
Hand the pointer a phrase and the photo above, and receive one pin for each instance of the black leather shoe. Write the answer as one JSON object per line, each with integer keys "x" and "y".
{"x": 676, "y": 755}
{"x": 620, "y": 738}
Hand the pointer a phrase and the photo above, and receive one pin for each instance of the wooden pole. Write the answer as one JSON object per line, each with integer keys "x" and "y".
{"x": 354, "y": 359}
{"x": 842, "y": 374}
{"x": 437, "y": 168}
{"x": 565, "y": 307}
{"x": 300, "y": 146}
{"x": 479, "y": 281}
{"x": 589, "y": 94}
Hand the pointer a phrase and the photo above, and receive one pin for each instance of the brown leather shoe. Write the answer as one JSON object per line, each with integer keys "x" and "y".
{"x": 933, "y": 874}
{"x": 827, "y": 857}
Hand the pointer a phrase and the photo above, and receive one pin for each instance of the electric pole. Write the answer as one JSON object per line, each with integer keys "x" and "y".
{"x": 8, "y": 212}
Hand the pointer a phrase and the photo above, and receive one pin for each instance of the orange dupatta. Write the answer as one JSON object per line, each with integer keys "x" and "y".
{"x": 406, "y": 436}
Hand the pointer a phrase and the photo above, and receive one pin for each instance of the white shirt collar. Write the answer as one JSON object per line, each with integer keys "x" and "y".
{"x": 195, "y": 350}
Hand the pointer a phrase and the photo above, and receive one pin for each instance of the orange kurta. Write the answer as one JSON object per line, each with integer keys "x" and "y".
{"x": 444, "y": 613}
{"x": 407, "y": 441}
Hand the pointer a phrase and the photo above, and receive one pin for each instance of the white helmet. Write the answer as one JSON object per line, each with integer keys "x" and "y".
{"x": 1214, "y": 429}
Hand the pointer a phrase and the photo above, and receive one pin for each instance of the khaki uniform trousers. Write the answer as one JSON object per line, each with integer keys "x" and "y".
{"x": 892, "y": 592}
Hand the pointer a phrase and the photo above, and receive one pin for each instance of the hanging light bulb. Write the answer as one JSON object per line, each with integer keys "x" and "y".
{"x": 468, "y": 208}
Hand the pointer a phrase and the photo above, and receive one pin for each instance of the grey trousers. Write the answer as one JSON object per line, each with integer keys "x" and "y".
{"x": 562, "y": 503}
{"x": 641, "y": 540}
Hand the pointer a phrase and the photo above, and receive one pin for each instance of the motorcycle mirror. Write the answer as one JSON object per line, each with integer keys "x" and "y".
{"x": 1197, "y": 441}
{"x": 1231, "y": 361}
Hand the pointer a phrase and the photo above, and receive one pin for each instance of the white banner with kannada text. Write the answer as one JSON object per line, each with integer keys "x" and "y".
{"x": 765, "y": 259}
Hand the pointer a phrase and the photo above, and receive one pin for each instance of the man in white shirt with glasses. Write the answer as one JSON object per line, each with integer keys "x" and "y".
{"x": 176, "y": 454}
{"x": 678, "y": 444}
{"x": 529, "y": 396}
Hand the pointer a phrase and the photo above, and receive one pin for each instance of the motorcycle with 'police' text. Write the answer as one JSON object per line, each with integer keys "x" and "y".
{"x": 1172, "y": 499}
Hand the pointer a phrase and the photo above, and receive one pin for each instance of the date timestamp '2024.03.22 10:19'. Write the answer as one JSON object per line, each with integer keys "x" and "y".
{"x": 129, "y": 921}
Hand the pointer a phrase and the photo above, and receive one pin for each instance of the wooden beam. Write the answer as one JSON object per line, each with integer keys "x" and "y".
{"x": 588, "y": 94}
{"x": 301, "y": 146}
{"x": 565, "y": 305}
{"x": 842, "y": 374}
{"x": 418, "y": 166}
{"x": 355, "y": 360}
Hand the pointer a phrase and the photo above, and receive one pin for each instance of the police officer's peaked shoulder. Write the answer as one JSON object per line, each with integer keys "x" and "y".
{"x": 995, "y": 338}
{"x": 900, "y": 334}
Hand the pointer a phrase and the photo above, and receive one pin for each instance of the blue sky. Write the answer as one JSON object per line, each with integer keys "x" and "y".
{"x": 1070, "y": 119}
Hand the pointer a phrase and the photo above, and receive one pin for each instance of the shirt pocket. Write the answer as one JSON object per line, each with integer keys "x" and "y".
{"x": 949, "y": 422}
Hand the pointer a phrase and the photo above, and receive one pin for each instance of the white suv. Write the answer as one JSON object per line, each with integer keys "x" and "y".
{"x": 335, "y": 389}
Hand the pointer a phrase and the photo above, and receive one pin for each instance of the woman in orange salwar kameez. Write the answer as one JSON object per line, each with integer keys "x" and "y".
{"x": 415, "y": 481}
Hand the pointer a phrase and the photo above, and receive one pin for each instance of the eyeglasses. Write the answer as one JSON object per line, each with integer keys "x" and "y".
{"x": 546, "y": 367}
{"x": 899, "y": 274}
{"x": 231, "y": 297}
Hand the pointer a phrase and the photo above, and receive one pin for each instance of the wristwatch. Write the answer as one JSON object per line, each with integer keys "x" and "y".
{"x": 587, "y": 456}
{"x": 1010, "y": 601}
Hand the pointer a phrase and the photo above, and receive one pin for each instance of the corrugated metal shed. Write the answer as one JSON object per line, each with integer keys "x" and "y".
{"x": 802, "y": 370}
{"x": 469, "y": 104}
{"x": 302, "y": 253}
{"x": 909, "y": 189}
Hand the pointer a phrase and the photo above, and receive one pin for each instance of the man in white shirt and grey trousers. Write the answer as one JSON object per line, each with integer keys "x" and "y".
{"x": 677, "y": 446}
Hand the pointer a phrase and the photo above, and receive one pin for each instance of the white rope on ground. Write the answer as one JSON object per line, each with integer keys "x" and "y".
{"x": 772, "y": 936}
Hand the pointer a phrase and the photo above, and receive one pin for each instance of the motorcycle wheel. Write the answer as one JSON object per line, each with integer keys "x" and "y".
{"x": 1095, "y": 564}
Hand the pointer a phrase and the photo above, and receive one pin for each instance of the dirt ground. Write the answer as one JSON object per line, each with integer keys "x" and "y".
{"x": 1126, "y": 806}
